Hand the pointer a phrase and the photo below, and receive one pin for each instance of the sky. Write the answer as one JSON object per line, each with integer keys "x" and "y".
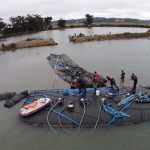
{"x": 75, "y": 9}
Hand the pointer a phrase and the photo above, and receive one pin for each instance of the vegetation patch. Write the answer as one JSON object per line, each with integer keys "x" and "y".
{"x": 28, "y": 43}
{"x": 83, "y": 38}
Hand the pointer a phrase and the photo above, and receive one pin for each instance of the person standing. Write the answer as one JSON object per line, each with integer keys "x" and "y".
{"x": 82, "y": 85}
{"x": 95, "y": 79}
{"x": 135, "y": 80}
{"x": 122, "y": 76}
{"x": 110, "y": 80}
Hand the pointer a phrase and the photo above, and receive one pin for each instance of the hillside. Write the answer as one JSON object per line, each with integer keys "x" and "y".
{"x": 106, "y": 20}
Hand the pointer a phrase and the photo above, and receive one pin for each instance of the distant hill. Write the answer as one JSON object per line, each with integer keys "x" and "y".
{"x": 105, "y": 20}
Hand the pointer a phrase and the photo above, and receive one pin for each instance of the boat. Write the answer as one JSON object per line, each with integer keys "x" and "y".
{"x": 34, "y": 106}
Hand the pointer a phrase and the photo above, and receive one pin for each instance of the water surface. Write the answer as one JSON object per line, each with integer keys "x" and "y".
{"x": 29, "y": 69}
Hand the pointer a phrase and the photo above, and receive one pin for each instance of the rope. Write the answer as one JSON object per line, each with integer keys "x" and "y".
{"x": 48, "y": 114}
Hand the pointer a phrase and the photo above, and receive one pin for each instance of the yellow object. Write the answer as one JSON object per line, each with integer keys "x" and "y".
{"x": 32, "y": 105}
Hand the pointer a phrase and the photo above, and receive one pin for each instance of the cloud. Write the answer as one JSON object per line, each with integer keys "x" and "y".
{"x": 68, "y": 9}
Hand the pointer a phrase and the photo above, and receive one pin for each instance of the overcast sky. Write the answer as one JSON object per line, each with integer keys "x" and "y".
{"x": 68, "y": 9}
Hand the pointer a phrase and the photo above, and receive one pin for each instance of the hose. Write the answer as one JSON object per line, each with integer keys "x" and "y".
{"x": 84, "y": 110}
{"x": 98, "y": 117}
{"x": 60, "y": 120}
{"x": 48, "y": 114}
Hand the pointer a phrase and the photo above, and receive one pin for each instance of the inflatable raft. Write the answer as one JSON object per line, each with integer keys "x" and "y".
{"x": 72, "y": 108}
{"x": 68, "y": 108}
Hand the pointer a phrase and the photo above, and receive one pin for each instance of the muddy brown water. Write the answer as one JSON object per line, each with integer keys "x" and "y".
{"x": 28, "y": 69}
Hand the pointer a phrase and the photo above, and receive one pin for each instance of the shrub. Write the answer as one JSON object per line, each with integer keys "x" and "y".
{"x": 13, "y": 45}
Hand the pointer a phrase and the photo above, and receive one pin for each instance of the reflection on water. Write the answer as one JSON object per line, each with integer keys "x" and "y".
{"x": 29, "y": 69}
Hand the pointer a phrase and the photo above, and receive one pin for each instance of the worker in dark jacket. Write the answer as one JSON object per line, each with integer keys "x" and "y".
{"x": 82, "y": 85}
{"x": 135, "y": 80}
{"x": 112, "y": 83}
{"x": 110, "y": 80}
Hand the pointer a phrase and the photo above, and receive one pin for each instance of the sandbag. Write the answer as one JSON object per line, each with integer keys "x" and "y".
{"x": 9, "y": 103}
{"x": 17, "y": 98}
{"x": 12, "y": 94}
{"x": 7, "y": 95}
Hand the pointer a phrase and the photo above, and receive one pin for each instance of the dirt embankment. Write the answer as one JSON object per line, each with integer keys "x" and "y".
{"x": 83, "y": 38}
{"x": 28, "y": 43}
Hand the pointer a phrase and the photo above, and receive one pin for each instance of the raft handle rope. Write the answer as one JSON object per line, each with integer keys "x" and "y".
{"x": 27, "y": 101}
{"x": 69, "y": 90}
{"x": 127, "y": 99}
{"x": 115, "y": 117}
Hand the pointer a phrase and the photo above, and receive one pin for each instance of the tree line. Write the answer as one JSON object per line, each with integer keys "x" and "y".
{"x": 34, "y": 23}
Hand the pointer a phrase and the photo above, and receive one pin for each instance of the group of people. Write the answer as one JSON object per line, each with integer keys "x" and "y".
{"x": 133, "y": 78}
{"x": 122, "y": 80}
{"x": 78, "y": 82}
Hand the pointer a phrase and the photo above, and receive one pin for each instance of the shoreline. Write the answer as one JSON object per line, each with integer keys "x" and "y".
{"x": 71, "y": 26}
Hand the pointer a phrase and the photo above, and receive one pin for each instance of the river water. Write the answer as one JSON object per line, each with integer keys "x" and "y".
{"x": 29, "y": 69}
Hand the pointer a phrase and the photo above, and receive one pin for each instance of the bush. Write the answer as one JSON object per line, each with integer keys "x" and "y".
{"x": 13, "y": 45}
